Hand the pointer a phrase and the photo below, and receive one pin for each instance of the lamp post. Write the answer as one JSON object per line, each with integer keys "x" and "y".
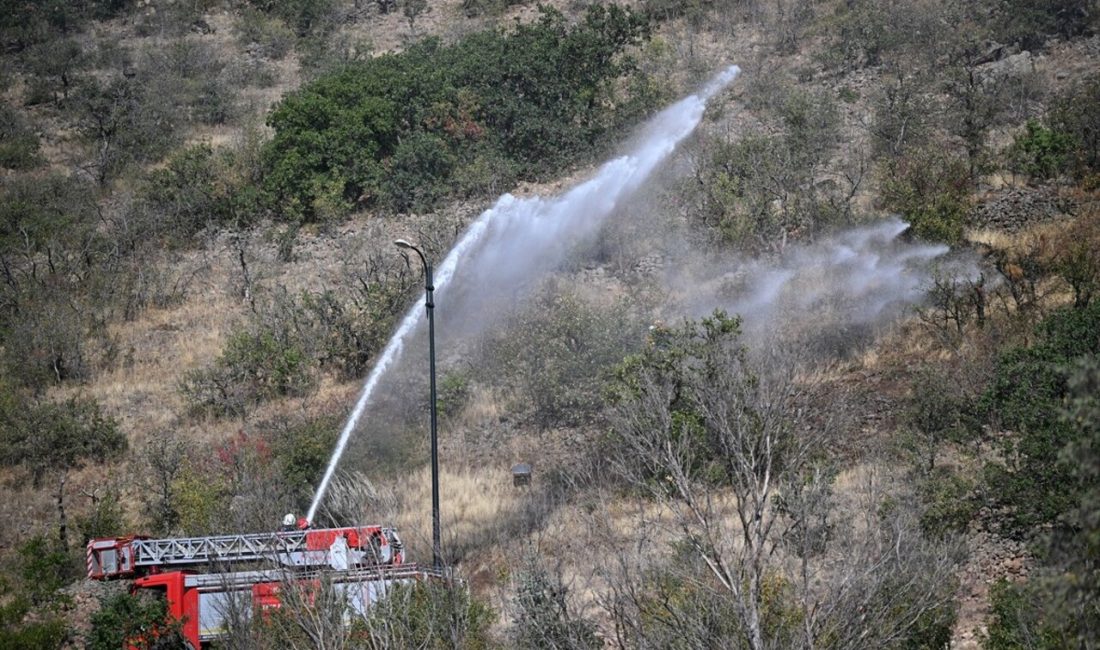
{"x": 437, "y": 555}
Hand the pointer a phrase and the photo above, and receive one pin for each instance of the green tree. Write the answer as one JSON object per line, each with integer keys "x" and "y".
{"x": 930, "y": 188}
{"x": 1033, "y": 483}
{"x": 133, "y": 620}
{"x": 124, "y": 123}
{"x": 394, "y": 130}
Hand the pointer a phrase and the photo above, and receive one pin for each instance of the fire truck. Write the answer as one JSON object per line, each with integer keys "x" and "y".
{"x": 208, "y": 580}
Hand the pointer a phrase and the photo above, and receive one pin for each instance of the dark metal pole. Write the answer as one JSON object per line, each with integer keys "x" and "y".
{"x": 429, "y": 288}
{"x": 437, "y": 553}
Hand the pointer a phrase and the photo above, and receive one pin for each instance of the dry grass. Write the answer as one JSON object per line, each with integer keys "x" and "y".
{"x": 476, "y": 506}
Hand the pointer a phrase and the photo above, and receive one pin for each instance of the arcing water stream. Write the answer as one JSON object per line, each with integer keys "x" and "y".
{"x": 519, "y": 236}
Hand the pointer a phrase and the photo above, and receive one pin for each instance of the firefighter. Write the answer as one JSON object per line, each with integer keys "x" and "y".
{"x": 288, "y": 523}
{"x": 303, "y": 524}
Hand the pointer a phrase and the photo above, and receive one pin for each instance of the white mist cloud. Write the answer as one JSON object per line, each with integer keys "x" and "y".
{"x": 857, "y": 277}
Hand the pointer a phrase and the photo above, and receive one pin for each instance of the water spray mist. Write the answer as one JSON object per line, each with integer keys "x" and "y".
{"x": 526, "y": 235}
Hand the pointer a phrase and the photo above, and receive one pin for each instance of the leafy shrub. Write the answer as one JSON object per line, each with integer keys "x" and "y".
{"x": 50, "y": 436}
{"x": 936, "y": 413}
{"x": 763, "y": 186}
{"x": 430, "y": 615}
{"x": 1041, "y": 152}
{"x": 25, "y": 23}
{"x": 188, "y": 74}
{"x": 256, "y": 365}
{"x": 105, "y": 519}
{"x": 44, "y": 568}
{"x": 192, "y": 192}
{"x": 300, "y": 15}
{"x": 348, "y": 332}
{"x": 302, "y": 451}
{"x": 53, "y": 67}
{"x": 474, "y": 8}
{"x": 18, "y": 142}
{"x": 419, "y": 172}
{"x": 290, "y": 337}
{"x": 395, "y": 129}
{"x": 1076, "y": 116}
{"x": 1074, "y": 254}
{"x": 948, "y": 503}
{"x": 44, "y": 631}
{"x": 866, "y": 33}
{"x": 902, "y": 116}
{"x": 454, "y": 392}
{"x": 1018, "y": 619}
{"x": 558, "y": 352}
{"x": 664, "y": 389}
{"x": 201, "y": 499}
{"x": 125, "y": 122}
{"x": 52, "y": 248}
{"x": 1056, "y": 608}
{"x": 1031, "y": 22}
{"x": 930, "y": 189}
{"x": 263, "y": 36}
{"x": 133, "y": 620}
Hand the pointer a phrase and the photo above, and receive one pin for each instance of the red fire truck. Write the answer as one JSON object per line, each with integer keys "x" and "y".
{"x": 206, "y": 580}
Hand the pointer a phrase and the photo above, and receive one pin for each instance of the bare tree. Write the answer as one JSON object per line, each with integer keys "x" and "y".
{"x": 732, "y": 449}
{"x": 707, "y": 436}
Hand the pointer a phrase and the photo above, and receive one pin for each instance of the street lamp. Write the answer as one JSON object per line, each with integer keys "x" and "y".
{"x": 437, "y": 555}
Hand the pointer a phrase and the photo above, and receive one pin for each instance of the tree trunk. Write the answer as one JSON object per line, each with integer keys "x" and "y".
{"x": 62, "y": 520}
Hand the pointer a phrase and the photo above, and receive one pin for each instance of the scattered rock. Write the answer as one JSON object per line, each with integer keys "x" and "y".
{"x": 1014, "y": 65}
{"x": 200, "y": 26}
{"x": 1016, "y": 208}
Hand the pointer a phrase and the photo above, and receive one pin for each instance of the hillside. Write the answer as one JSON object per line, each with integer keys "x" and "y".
{"x": 823, "y": 375}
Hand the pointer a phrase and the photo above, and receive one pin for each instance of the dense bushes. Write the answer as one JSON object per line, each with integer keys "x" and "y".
{"x": 45, "y": 437}
{"x": 18, "y": 142}
{"x": 556, "y": 353}
{"x": 258, "y": 363}
{"x": 290, "y": 338}
{"x": 30, "y": 615}
{"x": 1076, "y": 116}
{"x": 133, "y": 620}
{"x": 1031, "y": 22}
{"x": 759, "y": 188}
{"x": 396, "y": 129}
{"x": 1067, "y": 143}
{"x": 930, "y": 188}
{"x": 1033, "y": 485}
{"x": 23, "y": 23}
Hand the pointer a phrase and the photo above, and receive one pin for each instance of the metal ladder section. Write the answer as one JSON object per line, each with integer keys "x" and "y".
{"x": 245, "y": 579}
{"x": 287, "y": 548}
